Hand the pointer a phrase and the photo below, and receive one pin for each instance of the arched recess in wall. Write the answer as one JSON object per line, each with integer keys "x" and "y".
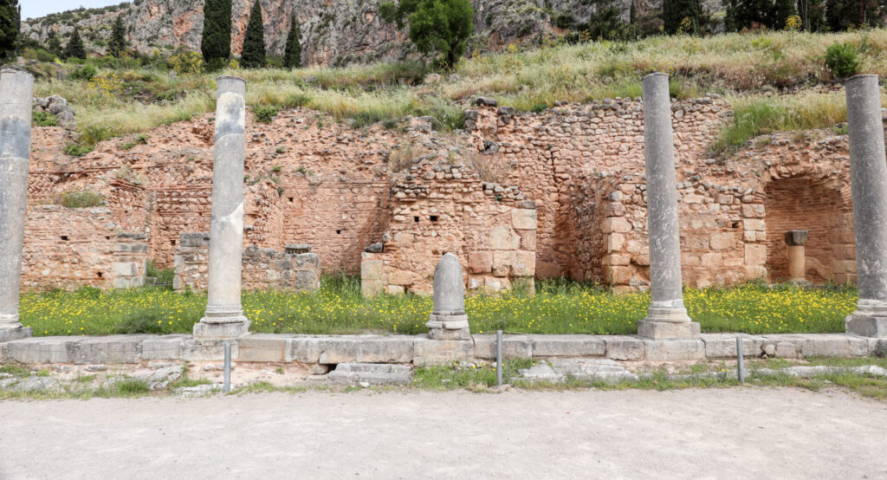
{"x": 821, "y": 205}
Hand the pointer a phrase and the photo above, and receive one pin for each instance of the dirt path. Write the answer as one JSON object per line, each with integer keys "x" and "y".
{"x": 716, "y": 433}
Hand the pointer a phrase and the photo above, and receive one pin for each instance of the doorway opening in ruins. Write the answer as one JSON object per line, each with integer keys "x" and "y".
{"x": 822, "y": 206}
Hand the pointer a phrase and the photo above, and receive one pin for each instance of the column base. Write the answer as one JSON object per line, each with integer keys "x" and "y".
{"x": 212, "y": 327}
{"x": 659, "y": 330}
{"x": 866, "y": 326}
{"x": 16, "y": 333}
{"x": 448, "y": 327}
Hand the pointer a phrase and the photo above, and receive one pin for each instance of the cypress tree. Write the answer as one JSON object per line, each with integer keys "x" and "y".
{"x": 292, "y": 57}
{"x": 75, "y": 48}
{"x": 674, "y": 12}
{"x": 9, "y": 28}
{"x": 633, "y": 13}
{"x": 216, "y": 41}
{"x": 118, "y": 43}
{"x": 53, "y": 44}
{"x": 253, "y": 54}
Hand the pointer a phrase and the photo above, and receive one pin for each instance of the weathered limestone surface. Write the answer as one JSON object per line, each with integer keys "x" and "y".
{"x": 667, "y": 316}
{"x": 16, "y": 91}
{"x": 371, "y": 373}
{"x": 512, "y": 347}
{"x": 448, "y": 320}
{"x": 224, "y": 313}
{"x": 868, "y": 173}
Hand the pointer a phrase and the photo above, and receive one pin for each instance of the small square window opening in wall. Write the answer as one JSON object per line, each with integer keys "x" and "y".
{"x": 65, "y": 238}
{"x": 434, "y": 218}
{"x": 416, "y": 219}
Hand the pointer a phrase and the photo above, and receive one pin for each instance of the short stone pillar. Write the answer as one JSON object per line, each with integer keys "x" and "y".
{"x": 224, "y": 313}
{"x": 16, "y": 92}
{"x": 797, "y": 260}
{"x": 868, "y": 179}
{"x": 667, "y": 317}
{"x": 448, "y": 320}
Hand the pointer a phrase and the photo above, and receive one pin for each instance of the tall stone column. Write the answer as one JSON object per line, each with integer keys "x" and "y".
{"x": 868, "y": 179}
{"x": 16, "y": 94}
{"x": 667, "y": 317}
{"x": 224, "y": 313}
{"x": 448, "y": 320}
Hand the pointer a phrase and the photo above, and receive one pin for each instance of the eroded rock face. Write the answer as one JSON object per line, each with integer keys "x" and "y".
{"x": 333, "y": 33}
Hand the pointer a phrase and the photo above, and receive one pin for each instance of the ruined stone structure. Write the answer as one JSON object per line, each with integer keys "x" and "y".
{"x": 514, "y": 196}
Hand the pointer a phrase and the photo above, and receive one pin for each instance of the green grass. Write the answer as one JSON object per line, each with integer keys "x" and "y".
{"x": 339, "y": 308}
{"x": 530, "y": 78}
{"x": 81, "y": 199}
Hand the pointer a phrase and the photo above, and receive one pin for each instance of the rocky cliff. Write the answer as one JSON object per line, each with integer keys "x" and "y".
{"x": 334, "y": 32}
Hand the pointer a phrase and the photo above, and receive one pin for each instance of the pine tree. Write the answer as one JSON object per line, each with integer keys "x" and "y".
{"x": 9, "y": 28}
{"x": 75, "y": 48}
{"x": 782, "y": 9}
{"x": 53, "y": 44}
{"x": 292, "y": 56}
{"x": 253, "y": 54}
{"x": 441, "y": 26}
{"x": 846, "y": 14}
{"x": 117, "y": 44}
{"x": 681, "y": 15}
{"x": 216, "y": 42}
{"x": 633, "y": 13}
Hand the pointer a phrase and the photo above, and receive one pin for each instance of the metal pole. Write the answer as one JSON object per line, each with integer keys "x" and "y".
{"x": 499, "y": 357}
{"x": 740, "y": 360}
{"x": 227, "y": 387}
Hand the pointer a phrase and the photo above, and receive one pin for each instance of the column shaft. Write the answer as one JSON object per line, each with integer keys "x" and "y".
{"x": 868, "y": 177}
{"x": 224, "y": 313}
{"x": 16, "y": 92}
{"x": 667, "y": 317}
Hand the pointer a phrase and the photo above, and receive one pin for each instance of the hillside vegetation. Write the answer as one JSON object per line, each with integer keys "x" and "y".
{"x": 747, "y": 68}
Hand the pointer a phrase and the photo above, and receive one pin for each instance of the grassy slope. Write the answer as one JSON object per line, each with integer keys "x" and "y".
{"x": 530, "y": 79}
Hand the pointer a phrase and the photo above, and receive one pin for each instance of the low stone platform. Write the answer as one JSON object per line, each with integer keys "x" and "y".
{"x": 420, "y": 350}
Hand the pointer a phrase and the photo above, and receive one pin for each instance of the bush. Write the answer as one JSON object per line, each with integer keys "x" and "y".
{"x": 265, "y": 114}
{"x": 75, "y": 150}
{"x": 45, "y": 119}
{"x": 841, "y": 60}
{"x": 84, "y": 73}
{"x": 142, "y": 322}
{"x": 81, "y": 199}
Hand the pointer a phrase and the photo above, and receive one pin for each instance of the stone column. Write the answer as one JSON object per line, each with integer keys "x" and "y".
{"x": 16, "y": 94}
{"x": 797, "y": 257}
{"x": 448, "y": 319}
{"x": 667, "y": 317}
{"x": 868, "y": 179}
{"x": 224, "y": 313}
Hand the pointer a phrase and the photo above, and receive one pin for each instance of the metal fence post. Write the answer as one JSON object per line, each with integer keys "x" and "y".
{"x": 227, "y": 387}
{"x": 499, "y": 357}
{"x": 740, "y": 364}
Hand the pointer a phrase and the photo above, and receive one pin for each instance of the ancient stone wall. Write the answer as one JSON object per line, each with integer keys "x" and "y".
{"x": 438, "y": 208}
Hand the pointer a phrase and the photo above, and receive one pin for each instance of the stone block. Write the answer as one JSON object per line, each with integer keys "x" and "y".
{"x": 305, "y": 349}
{"x": 374, "y": 374}
{"x": 524, "y": 264}
{"x": 42, "y": 349}
{"x": 615, "y": 242}
{"x": 833, "y": 345}
{"x": 621, "y": 347}
{"x": 753, "y": 272}
{"x": 111, "y": 349}
{"x": 480, "y": 262}
{"x": 676, "y": 350}
{"x": 126, "y": 269}
{"x": 512, "y": 347}
{"x": 667, "y": 330}
{"x": 206, "y": 350}
{"x": 263, "y": 348}
{"x": 370, "y": 288}
{"x": 528, "y": 240}
{"x": 617, "y": 275}
{"x": 523, "y": 219}
{"x": 753, "y": 224}
{"x": 722, "y": 241}
{"x": 503, "y": 238}
{"x": 436, "y": 352}
{"x": 400, "y": 277}
{"x": 753, "y": 211}
{"x": 371, "y": 270}
{"x": 395, "y": 289}
{"x": 8, "y": 335}
{"x": 367, "y": 349}
{"x": 755, "y": 255}
{"x": 615, "y": 225}
{"x": 167, "y": 347}
{"x": 568, "y": 346}
{"x": 502, "y": 262}
{"x": 723, "y": 345}
{"x": 867, "y": 326}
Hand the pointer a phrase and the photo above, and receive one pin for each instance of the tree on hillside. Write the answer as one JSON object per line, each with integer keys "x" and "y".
{"x": 253, "y": 55}
{"x": 605, "y": 23}
{"x": 683, "y": 16}
{"x": 118, "y": 43}
{"x": 53, "y": 44}
{"x": 441, "y": 26}
{"x": 292, "y": 56}
{"x": 75, "y": 48}
{"x": 10, "y": 19}
{"x": 846, "y": 14}
{"x": 812, "y": 13}
{"x": 216, "y": 42}
{"x": 772, "y": 14}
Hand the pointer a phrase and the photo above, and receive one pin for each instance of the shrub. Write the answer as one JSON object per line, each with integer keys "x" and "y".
{"x": 83, "y": 73}
{"x": 132, "y": 387}
{"x": 81, "y": 199}
{"x": 265, "y": 114}
{"x": 75, "y": 150}
{"x": 840, "y": 58}
{"x": 45, "y": 119}
{"x": 142, "y": 322}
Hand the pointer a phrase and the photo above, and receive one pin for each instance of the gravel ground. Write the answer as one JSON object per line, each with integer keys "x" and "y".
{"x": 714, "y": 433}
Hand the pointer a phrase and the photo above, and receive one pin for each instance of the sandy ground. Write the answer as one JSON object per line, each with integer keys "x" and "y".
{"x": 715, "y": 433}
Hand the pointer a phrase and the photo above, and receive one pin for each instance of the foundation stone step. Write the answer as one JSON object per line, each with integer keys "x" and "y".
{"x": 371, "y": 373}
